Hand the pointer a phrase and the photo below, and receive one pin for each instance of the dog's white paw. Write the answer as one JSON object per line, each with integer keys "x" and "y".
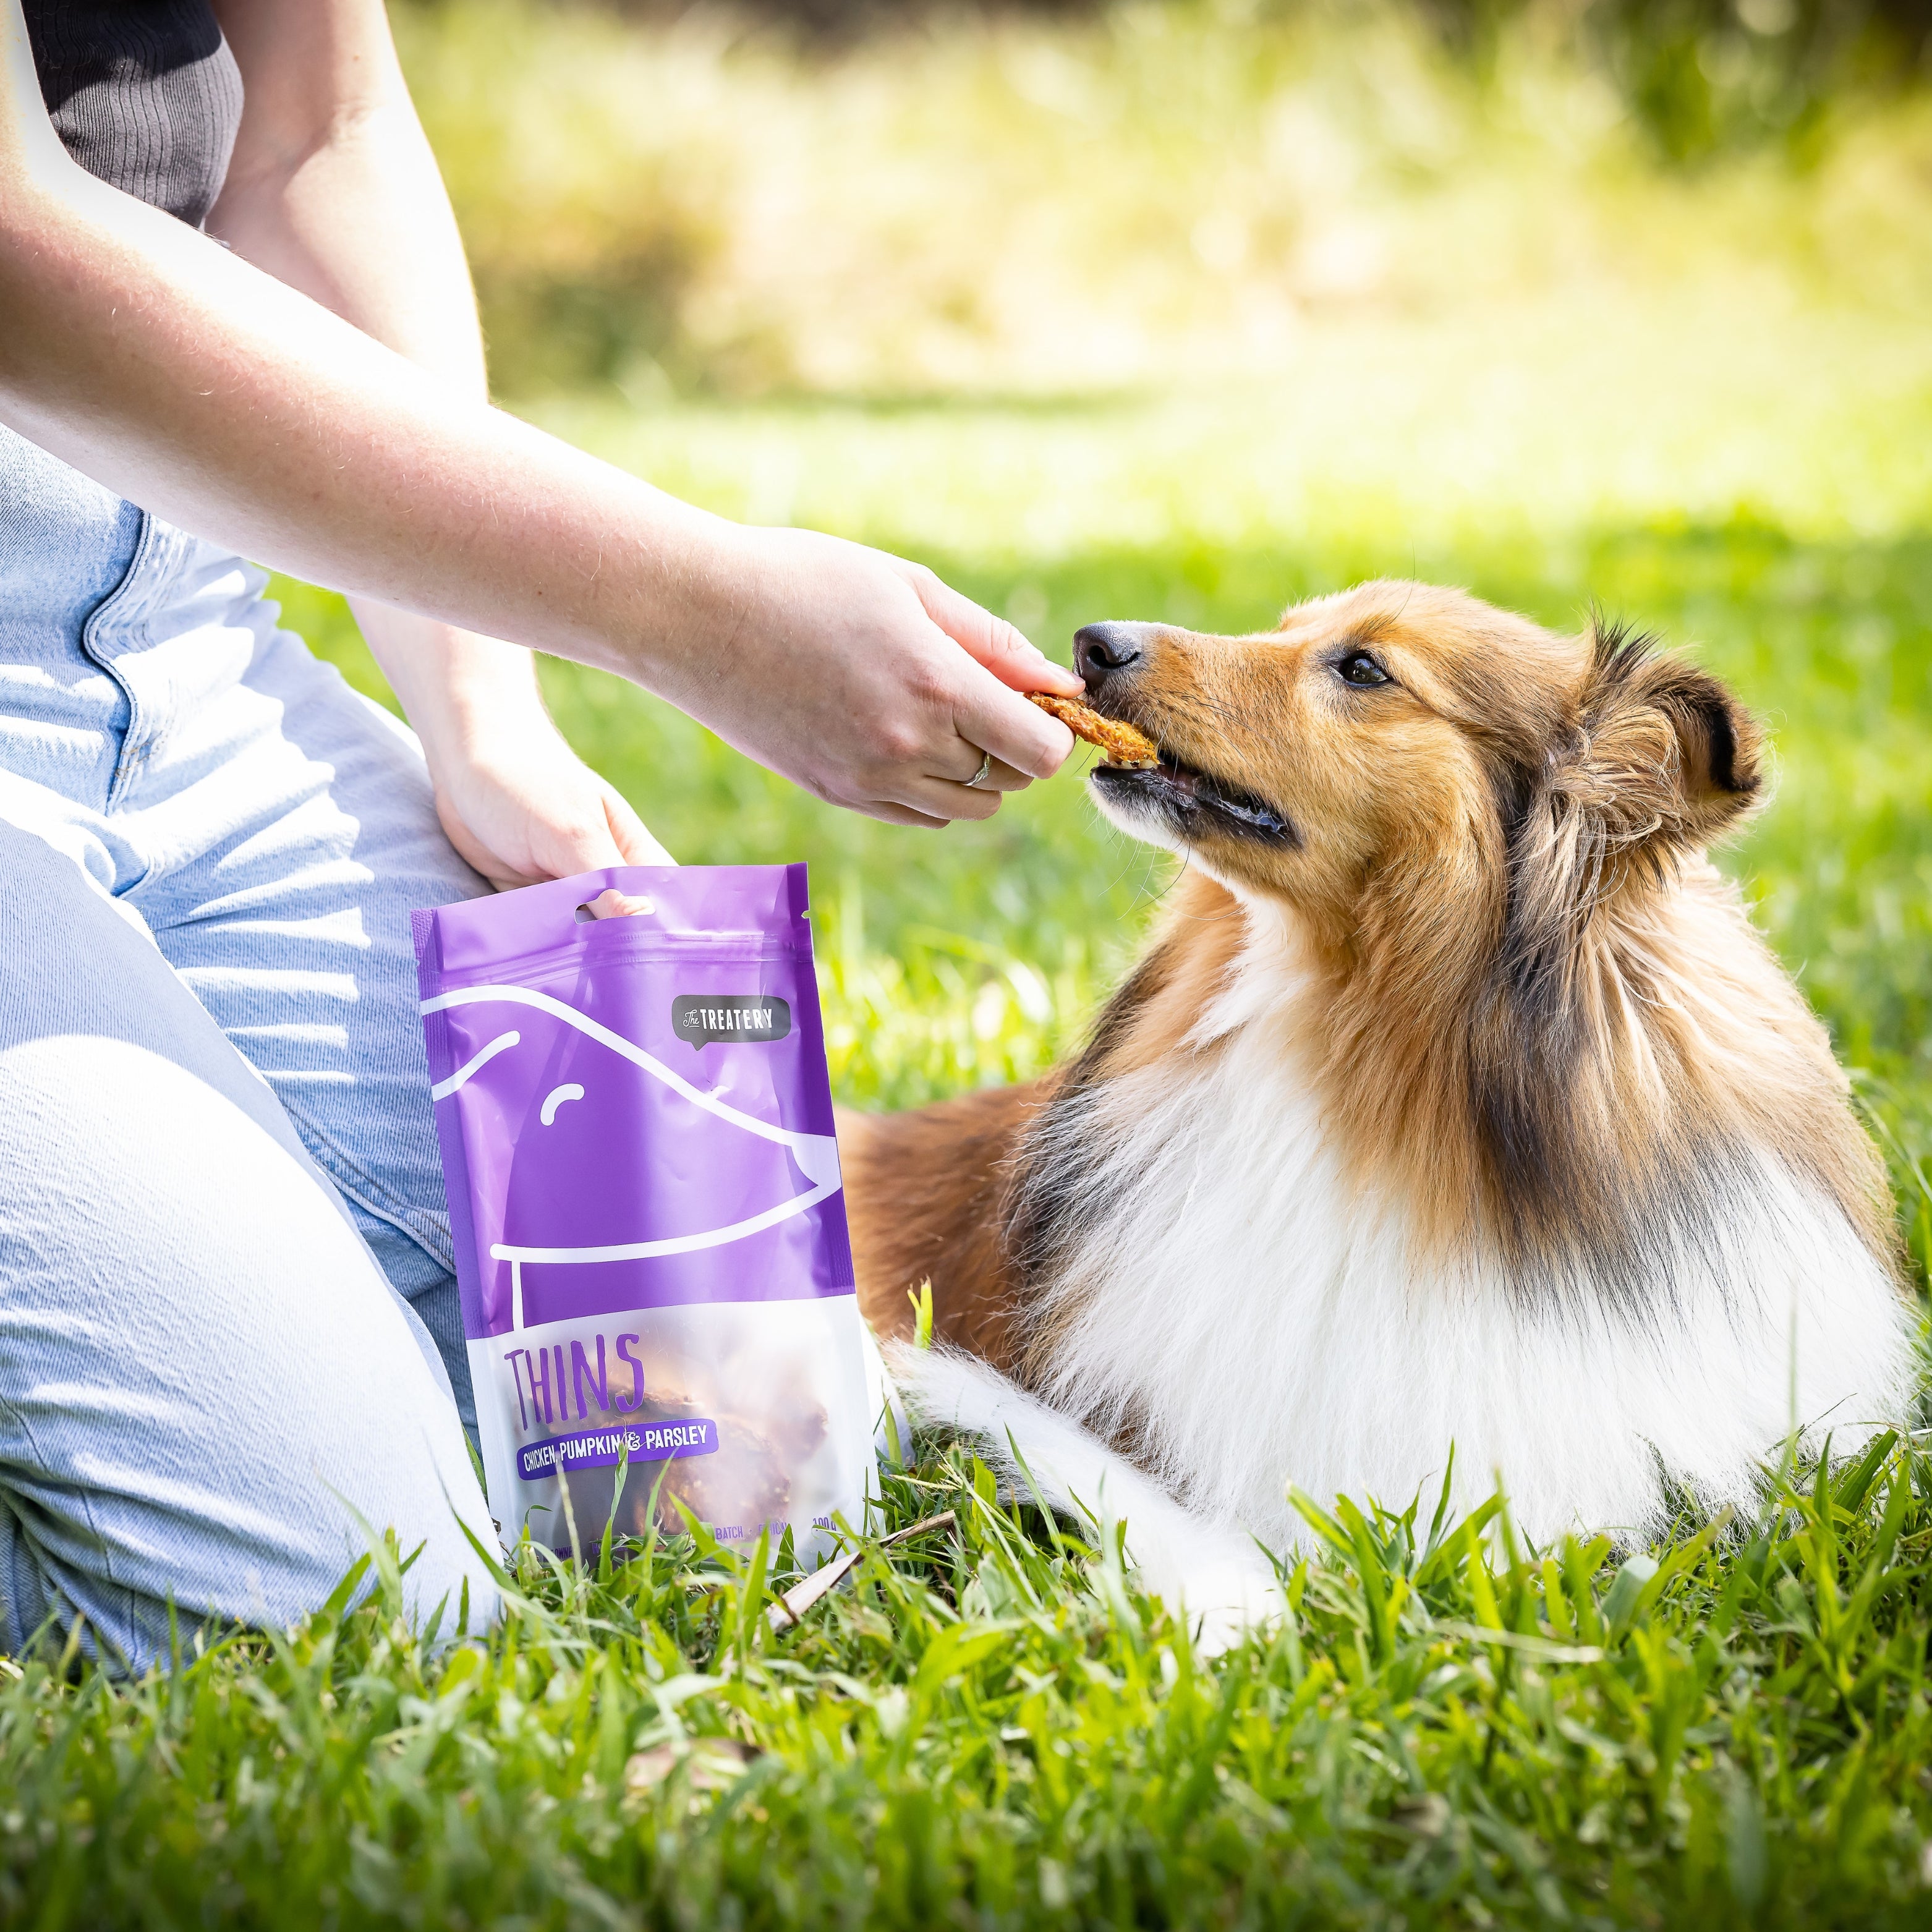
{"x": 1213, "y": 1572}
{"x": 1220, "y": 1582}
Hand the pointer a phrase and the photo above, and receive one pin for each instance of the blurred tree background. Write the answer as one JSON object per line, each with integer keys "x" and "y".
{"x": 873, "y": 195}
{"x": 1185, "y": 308}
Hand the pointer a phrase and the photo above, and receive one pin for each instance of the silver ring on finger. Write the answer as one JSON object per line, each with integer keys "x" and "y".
{"x": 979, "y": 777}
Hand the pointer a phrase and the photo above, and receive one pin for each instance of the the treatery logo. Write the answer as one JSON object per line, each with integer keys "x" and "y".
{"x": 702, "y": 1018}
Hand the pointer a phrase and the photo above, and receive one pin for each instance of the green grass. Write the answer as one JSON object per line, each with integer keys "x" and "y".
{"x": 992, "y": 1727}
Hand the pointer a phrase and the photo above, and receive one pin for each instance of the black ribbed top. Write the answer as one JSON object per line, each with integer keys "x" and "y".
{"x": 145, "y": 93}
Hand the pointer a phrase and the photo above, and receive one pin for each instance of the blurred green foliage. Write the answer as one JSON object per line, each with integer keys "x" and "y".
{"x": 1701, "y": 75}
{"x": 1119, "y": 199}
{"x": 1704, "y": 76}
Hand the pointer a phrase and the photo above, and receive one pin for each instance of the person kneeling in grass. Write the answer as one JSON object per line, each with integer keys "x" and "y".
{"x": 238, "y": 323}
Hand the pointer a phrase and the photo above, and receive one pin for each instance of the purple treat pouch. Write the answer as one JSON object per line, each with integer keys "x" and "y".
{"x": 645, "y": 1198}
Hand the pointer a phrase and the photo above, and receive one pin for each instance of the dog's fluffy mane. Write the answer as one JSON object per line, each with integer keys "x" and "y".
{"x": 1538, "y": 1150}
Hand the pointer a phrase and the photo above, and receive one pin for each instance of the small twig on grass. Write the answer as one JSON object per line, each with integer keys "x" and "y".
{"x": 791, "y": 1607}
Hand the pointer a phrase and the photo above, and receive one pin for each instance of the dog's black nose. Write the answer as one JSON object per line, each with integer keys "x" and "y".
{"x": 1099, "y": 650}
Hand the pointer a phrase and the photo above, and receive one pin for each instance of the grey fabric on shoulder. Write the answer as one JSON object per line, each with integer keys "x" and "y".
{"x": 145, "y": 94}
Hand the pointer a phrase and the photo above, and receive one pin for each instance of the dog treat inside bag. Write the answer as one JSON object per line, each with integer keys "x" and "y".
{"x": 645, "y": 1198}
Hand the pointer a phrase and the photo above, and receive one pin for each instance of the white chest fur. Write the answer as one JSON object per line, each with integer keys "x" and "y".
{"x": 1257, "y": 1322}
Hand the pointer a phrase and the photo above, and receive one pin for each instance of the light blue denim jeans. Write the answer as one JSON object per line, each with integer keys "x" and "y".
{"x": 228, "y": 1324}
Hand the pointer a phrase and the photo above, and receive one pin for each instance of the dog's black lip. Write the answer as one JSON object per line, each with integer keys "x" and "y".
{"x": 1194, "y": 799}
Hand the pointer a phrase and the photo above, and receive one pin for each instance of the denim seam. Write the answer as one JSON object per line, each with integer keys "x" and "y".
{"x": 131, "y": 600}
{"x": 429, "y": 1230}
{"x": 102, "y": 614}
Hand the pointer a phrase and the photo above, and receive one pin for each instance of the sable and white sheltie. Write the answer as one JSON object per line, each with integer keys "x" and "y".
{"x": 1455, "y": 1102}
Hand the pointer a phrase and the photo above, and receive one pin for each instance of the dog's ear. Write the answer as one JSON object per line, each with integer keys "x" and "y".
{"x": 1654, "y": 759}
{"x": 1658, "y": 758}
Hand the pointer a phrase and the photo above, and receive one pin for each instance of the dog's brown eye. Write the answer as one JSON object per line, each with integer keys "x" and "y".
{"x": 1358, "y": 667}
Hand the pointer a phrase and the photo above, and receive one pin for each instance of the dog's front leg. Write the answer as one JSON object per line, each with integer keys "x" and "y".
{"x": 1214, "y": 1571}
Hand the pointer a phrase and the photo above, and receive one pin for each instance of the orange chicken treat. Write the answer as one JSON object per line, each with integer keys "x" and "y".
{"x": 1123, "y": 744}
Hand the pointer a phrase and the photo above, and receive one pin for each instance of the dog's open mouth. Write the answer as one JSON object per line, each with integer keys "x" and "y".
{"x": 1194, "y": 803}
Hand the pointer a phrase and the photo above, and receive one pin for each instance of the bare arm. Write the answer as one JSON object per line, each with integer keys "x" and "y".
{"x": 333, "y": 190}
{"x": 188, "y": 380}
